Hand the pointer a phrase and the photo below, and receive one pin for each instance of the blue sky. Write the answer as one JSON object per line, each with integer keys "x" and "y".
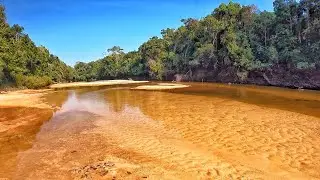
{"x": 81, "y": 30}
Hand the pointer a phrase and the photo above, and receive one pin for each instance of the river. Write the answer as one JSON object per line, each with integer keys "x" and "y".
{"x": 205, "y": 131}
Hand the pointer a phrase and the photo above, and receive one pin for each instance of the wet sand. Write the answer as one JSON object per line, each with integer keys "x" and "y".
{"x": 24, "y": 98}
{"x": 22, "y": 113}
{"x": 19, "y": 102}
{"x": 226, "y": 138}
{"x": 106, "y": 133}
{"x": 19, "y": 127}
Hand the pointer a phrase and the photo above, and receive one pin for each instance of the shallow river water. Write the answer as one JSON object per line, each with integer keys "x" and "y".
{"x": 206, "y": 131}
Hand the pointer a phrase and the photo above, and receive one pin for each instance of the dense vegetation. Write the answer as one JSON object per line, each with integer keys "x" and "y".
{"x": 23, "y": 64}
{"x": 234, "y": 43}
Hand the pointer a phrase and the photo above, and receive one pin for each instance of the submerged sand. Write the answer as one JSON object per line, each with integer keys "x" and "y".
{"x": 159, "y": 135}
{"x": 95, "y": 84}
{"x": 22, "y": 113}
{"x": 188, "y": 137}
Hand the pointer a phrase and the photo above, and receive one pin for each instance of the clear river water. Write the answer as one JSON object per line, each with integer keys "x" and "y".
{"x": 205, "y": 131}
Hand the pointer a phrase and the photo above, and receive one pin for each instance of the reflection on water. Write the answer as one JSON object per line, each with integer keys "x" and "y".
{"x": 69, "y": 138}
{"x": 91, "y": 102}
{"x": 305, "y": 102}
{"x": 228, "y": 131}
{"x": 264, "y": 134}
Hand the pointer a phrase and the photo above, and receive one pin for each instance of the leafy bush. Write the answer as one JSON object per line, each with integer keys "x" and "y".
{"x": 32, "y": 82}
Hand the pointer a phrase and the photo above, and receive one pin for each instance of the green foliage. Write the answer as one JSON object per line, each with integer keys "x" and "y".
{"x": 32, "y": 82}
{"x": 20, "y": 57}
{"x": 154, "y": 52}
{"x": 233, "y": 37}
{"x": 236, "y": 36}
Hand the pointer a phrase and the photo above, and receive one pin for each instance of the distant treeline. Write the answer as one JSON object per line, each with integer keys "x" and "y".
{"x": 234, "y": 43}
{"x": 23, "y": 64}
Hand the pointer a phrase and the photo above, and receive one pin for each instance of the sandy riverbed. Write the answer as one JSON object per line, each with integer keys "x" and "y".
{"x": 22, "y": 113}
{"x": 154, "y": 135}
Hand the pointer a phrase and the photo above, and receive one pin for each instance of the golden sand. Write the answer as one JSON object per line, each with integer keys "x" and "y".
{"x": 207, "y": 137}
{"x": 159, "y": 135}
{"x": 161, "y": 86}
{"x": 95, "y": 84}
{"x": 21, "y": 115}
{"x": 24, "y": 98}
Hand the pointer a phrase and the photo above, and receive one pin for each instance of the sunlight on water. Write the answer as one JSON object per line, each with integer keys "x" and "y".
{"x": 91, "y": 103}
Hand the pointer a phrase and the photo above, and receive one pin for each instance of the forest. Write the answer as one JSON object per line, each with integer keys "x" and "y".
{"x": 23, "y": 64}
{"x": 234, "y": 44}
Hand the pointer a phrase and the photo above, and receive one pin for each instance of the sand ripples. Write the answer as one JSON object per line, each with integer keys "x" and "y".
{"x": 161, "y": 135}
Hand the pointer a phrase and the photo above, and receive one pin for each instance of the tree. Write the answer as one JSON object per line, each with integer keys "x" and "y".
{"x": 233, "y": 37}
{"x": 233, "y": 41}
{"x": 23, "y": 63}
{"x": 154, "y": 53}
{"x": 115, "y": 50}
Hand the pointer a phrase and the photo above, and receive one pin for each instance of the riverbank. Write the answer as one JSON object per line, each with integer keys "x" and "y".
{"x": 276, "y": 76}
{"x": 15, "y": 108}
{"x": 161, "y": 86}
{"x": 24, "y": 98}
{"x": 96, "y": 84}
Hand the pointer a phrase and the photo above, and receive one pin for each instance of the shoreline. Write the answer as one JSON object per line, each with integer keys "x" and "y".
{"x": 120, "y": 140}
{"x": 95, "y": 84}
{"x": 100, "y": 83}
{"x": 161, "y": 86}
{"x": 25, "y": 98}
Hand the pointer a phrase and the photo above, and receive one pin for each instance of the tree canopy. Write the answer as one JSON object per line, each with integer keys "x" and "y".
{"x": 23, "y": 63}
{"x": 233, "y": 40}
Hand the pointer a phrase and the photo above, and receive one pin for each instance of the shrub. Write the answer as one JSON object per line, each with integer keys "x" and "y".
{"x": 32, "y": 82}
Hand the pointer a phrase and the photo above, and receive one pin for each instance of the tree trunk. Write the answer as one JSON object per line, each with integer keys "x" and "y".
{"x": 185, "y": 53}
{"x": 266, "y": 78}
